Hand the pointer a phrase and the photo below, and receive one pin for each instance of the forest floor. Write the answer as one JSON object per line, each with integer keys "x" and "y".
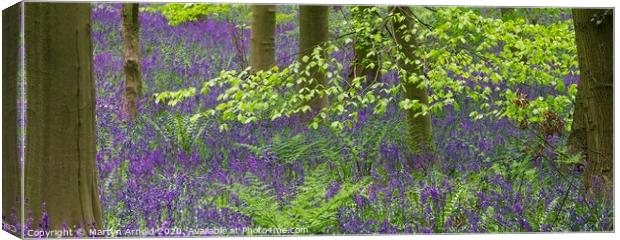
{"x": 164, "y": 171}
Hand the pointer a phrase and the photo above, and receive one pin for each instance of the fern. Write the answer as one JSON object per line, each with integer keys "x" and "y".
{"x": 456, "y": 197}
{"x": 178, "y": 130}
{"x": 293, "y": 149}
{"x": 308, "y": 209}
{"x": 261, "y": 203}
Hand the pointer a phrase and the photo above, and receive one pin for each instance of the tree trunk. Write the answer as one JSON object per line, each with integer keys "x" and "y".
{"x": 11, "y": 170}
{"x": 60, "y": 167}
{"x": 313, "y": 31}
{"x": 361, "y": 62}
{"x": 263, "y": 52}
{"x": 419, "y": 127}
{"x": 577, "y": 138}
{"x": 594, "y": 110}
{"x": 131, "y": 38}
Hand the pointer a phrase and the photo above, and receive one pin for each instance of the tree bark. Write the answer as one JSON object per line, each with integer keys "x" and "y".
{"x": 60, "y": 167}
{"x": 594, "y": 110}
{"x": 577, "y": 138}
{"x": 131, "y": 38}
{"x": 313, "y": 31}
{"x": 11, "y": 170}
{"x": 419, "y": 127}
{"x": 263, "y": 52}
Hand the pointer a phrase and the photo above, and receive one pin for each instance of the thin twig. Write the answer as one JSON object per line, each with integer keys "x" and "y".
{"x": 557, "y": 213}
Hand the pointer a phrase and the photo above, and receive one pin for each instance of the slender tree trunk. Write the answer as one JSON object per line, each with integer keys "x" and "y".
{"x": 11, "y": 171}
{"x": 131, "y": 38}
{"x": 313, "y": 31}
{"x": 419, "y": 127}
{"x": 263, "y": 52}
{"x": 361, "y": 62}
{"x": 60, "y": 167}
{"x": 594, "y": 110}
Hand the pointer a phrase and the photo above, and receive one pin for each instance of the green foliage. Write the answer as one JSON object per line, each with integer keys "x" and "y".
{"x": 180, "y": 130}
{"x": 177, "y": 13}
{"x": 543, "y": 16}
{"x": 364, "y": 145}
{"x": 464, "y": 53}
{"x": 291, "y": 149}
{"x": 172, "y": 98}
{"x": 350, "y": 153}
{"x": 566, "y": 158}
{"x": 309, "y": 208}
{"x": 507, "y": 52}
{"x": 285, "y": 17}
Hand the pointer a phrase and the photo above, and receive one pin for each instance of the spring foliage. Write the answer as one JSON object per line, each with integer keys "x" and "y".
{"x": 492, "y": 54}
{"x": 177, "y": 13}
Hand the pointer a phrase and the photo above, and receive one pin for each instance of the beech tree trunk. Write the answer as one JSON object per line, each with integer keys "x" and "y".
{"x": 60, "y": 167}
{"x": 313, "y": 31}
{"x": 419, "y": 127}
{"x": 593, "y": 114}
{"x": 263, "y": 47}
{"x": 11, "y": 170}
{"x": 131, "y": 38}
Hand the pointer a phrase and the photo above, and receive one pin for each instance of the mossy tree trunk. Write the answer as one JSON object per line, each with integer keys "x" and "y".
{"x": 11, "y": 171}
{"x": 263, "y": 47}
{"x": 60, "y": 169}
{"x": 593, "y": 114}
{"x": 314, "y": 31}
{"x": 420, "y": 132}
{"x": 131, "y": 40}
